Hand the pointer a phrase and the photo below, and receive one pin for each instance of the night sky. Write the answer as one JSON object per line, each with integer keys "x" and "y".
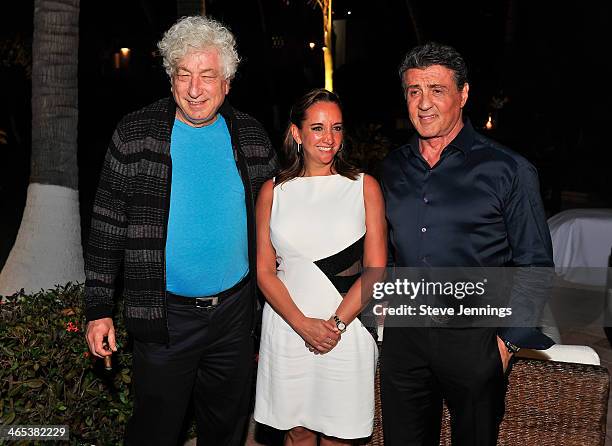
{"x": 545, "y": 62}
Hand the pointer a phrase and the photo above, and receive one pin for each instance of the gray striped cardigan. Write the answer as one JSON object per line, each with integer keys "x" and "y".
{"x": 131, "y": 208}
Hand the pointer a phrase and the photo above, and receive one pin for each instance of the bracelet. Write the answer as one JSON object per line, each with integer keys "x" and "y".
{"x": 511, "y": 347}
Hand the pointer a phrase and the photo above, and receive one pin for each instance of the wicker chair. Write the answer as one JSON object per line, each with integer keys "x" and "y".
{"x": 548, "y": 404}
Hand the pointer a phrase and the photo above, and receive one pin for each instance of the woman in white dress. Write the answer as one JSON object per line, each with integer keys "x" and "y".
{"x": 318, "y": 222}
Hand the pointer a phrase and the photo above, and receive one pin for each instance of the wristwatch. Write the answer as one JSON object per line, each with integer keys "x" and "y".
{"x": 511, "y": 347}
{"x": 341, "y": 325}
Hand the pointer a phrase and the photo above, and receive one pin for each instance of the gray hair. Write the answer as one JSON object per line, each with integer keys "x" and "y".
{"x": 199, "y": 33}
{"x": 432, "y": 53}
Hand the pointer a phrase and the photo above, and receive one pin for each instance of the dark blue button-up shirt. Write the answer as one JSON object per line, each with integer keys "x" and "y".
{"x": 480, "y": 205}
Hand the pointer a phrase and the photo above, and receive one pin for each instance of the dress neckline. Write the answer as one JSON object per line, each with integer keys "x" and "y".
{"x": 321, "y": 176}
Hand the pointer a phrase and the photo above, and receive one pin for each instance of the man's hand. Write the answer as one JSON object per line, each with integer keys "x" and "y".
{"x": 96, "y": 332}
{"x": 504, "y": 353}
{"x": 320, "y": 336}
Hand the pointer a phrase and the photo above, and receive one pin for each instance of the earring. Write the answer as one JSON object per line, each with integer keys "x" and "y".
{"x": 299, "y": 148}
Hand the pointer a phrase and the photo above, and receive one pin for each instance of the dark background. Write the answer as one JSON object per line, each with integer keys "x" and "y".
{"x": 544, "y": 63}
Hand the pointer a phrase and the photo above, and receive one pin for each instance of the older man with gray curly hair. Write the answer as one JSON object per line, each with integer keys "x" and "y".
{"x": 174, "y": 214}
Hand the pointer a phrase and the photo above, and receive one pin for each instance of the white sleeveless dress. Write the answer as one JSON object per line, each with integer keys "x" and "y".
{"x": 316, "y": 219}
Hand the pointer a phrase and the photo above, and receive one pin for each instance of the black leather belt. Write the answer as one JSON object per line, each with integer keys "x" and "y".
{"x": 207, "y": 301}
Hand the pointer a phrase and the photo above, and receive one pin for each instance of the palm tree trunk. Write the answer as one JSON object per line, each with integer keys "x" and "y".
{"x": 328, "y": 59}
{"x": 55, "y": 50}
{"x": 48, "y": 249}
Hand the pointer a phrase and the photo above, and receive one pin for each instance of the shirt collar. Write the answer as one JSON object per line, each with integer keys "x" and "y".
{"x": 463, "y": 141}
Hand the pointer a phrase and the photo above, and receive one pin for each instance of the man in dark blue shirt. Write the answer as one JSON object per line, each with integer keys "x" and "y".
{"x": 454, "y": 198}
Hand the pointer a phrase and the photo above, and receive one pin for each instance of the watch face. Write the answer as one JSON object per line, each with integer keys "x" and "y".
{"x": 339, "y": 324}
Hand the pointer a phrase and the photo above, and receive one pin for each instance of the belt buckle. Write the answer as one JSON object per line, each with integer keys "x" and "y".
{"x": 206, "y": 302}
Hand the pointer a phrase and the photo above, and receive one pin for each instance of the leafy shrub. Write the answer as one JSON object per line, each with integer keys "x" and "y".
{"x": 48, "y": 377}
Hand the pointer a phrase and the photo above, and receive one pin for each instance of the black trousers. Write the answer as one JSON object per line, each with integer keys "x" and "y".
{"x": 209, "y": 358}
{"x": 421, "y": 366}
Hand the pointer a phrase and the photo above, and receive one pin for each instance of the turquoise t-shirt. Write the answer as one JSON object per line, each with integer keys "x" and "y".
{"x": 207, "y": 245}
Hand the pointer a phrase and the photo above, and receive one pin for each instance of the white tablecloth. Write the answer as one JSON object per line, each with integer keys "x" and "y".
{"x": 582, "y": 239}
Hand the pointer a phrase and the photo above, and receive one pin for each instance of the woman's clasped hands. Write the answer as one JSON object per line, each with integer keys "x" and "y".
{"x": 320, "y": 336}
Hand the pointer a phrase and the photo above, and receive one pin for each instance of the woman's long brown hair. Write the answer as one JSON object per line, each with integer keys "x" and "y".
{"x": 293, "y": 161}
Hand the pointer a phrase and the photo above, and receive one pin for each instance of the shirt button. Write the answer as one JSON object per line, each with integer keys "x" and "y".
{"x": 425, "y": 200}
{"x": 423, "y": 229}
